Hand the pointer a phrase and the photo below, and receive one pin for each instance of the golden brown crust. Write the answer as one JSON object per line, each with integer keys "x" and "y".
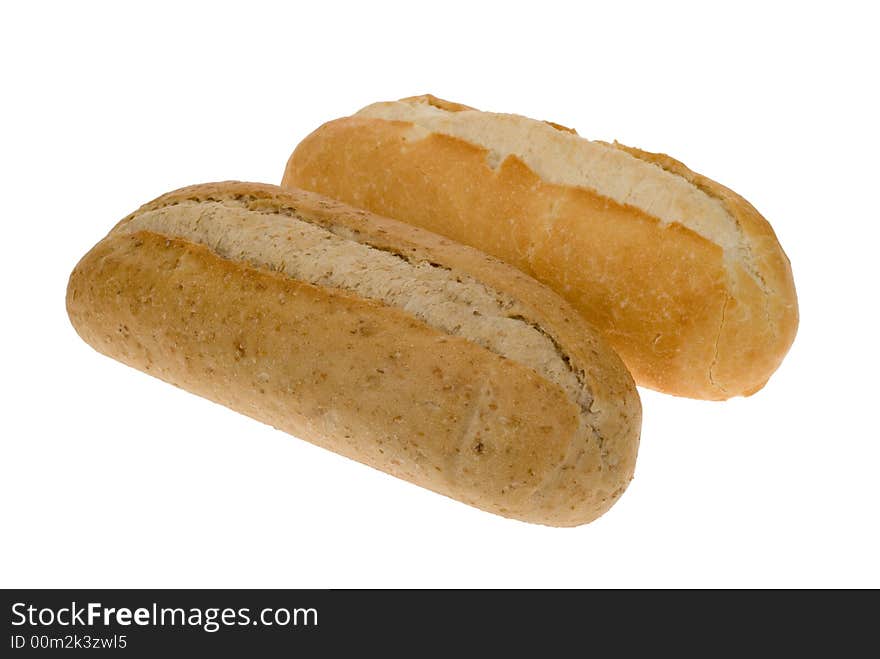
{"x": 682, "y": 318}
{"x": 741, "y": 340}
{"x": 430, "y": 99}
{"x": 361, "y": 378}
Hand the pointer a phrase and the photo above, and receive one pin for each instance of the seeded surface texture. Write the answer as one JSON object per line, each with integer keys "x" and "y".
{"x": 382, "y": 342}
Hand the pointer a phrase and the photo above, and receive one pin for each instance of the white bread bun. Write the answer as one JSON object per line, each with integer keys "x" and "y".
{"x": 684, "y": 276}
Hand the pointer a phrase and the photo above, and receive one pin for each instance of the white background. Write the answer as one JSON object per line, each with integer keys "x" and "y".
{"x": 110, "y": 478}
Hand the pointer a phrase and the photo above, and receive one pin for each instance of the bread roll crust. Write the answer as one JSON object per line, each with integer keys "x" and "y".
{"x": 686, "y": 317}
{"x": 362, "y": 378}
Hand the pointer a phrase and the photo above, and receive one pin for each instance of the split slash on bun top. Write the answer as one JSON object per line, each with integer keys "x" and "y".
{"x": 686, "y": 279}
